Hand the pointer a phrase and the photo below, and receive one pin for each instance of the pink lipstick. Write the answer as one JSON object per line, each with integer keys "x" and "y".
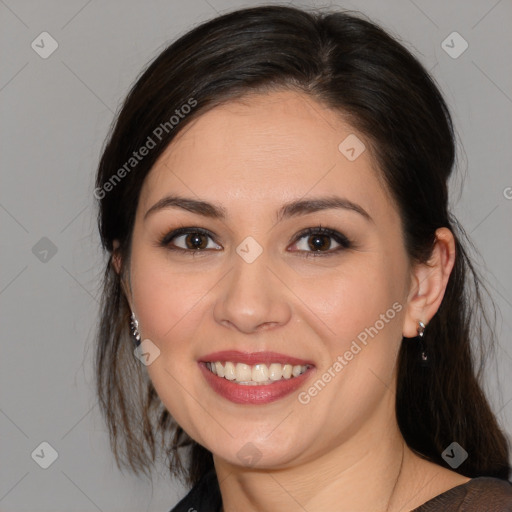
{"x": 272, "y": 369}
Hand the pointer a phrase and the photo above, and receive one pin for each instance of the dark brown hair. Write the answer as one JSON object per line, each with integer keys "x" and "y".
{"x": 356, "y": 68}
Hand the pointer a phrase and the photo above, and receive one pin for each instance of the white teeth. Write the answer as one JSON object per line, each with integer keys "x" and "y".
{"x": 229, "y": 371}
{"x": 257, "y": 374}
{"x": 219, "y": 369}
{"x": 243, "y": 372}
{"x": 296, "y": 370}
{"x": 275, "y": 371}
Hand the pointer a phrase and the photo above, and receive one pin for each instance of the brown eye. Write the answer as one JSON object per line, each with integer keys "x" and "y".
{"x": 189, "y": 239}
{"x": 196, "y": 241}
{"x": 319, "y": 242}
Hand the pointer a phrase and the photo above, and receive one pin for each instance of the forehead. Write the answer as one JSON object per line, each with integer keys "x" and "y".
{"x": 270, "y": 148}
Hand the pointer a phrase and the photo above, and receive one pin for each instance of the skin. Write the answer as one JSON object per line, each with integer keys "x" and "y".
{"x": 342, "y": 450}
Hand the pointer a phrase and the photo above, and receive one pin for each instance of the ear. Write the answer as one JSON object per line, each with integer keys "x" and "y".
{"x": 117, "y": 263}
{"x": 116, "y": 257}
{"x": 428, "y": 283}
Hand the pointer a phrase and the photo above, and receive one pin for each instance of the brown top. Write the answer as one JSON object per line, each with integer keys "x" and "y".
{"x": 482, "y": 494}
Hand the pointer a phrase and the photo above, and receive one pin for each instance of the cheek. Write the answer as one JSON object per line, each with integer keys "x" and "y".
{"x": 362, "y": 308}
{"x": 166, "y": 301}
{"x": 168, "y": 306}
{"x": 351, "y": 298}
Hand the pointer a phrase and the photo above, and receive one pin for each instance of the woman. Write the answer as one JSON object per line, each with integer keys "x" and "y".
{"x": 273, "y": 197}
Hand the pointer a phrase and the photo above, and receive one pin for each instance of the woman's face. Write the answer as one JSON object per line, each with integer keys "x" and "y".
{"x": 252, "y": 176}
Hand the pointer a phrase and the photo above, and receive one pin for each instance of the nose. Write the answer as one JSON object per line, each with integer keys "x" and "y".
{"x": 252, "y": 298}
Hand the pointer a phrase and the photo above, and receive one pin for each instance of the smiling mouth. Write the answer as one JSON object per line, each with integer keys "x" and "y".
{"x": 257, "y": 374}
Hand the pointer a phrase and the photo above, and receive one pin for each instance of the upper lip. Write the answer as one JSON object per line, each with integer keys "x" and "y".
{"x": 252, "y": 358}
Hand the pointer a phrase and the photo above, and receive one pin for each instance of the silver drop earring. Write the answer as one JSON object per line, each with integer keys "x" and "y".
{"x": 134, "y": 327}
{"x": 424, "y": 361}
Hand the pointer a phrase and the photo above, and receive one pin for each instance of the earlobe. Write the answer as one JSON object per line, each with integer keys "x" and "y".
{"x": 428, "y": 283}
{"x": 117, "y": 263}
{"x": 116, "y": 257}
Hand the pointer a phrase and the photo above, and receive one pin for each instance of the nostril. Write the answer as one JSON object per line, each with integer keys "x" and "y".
{"x": 266, "y": 325}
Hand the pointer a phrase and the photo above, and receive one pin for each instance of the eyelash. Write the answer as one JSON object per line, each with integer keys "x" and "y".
{"x": 342, "y": 240}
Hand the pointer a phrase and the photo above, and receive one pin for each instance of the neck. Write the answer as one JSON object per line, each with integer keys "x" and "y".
{"x": 362, "y": 474}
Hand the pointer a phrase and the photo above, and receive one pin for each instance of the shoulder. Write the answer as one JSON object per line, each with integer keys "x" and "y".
{"x": 478, "y": 494}
{"x": 203, "y": 497}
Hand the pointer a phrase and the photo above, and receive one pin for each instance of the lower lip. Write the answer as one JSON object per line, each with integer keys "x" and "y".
{"x": 253, "y": 394}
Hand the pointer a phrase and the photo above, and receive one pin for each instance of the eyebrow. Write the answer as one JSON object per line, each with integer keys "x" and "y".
{"x": 304, "y": 206}
{"x": 191, "y": 205}
{"x": 292, "y": 209}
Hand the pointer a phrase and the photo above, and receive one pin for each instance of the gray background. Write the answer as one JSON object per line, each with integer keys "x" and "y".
{"x": 55, "y": 114}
